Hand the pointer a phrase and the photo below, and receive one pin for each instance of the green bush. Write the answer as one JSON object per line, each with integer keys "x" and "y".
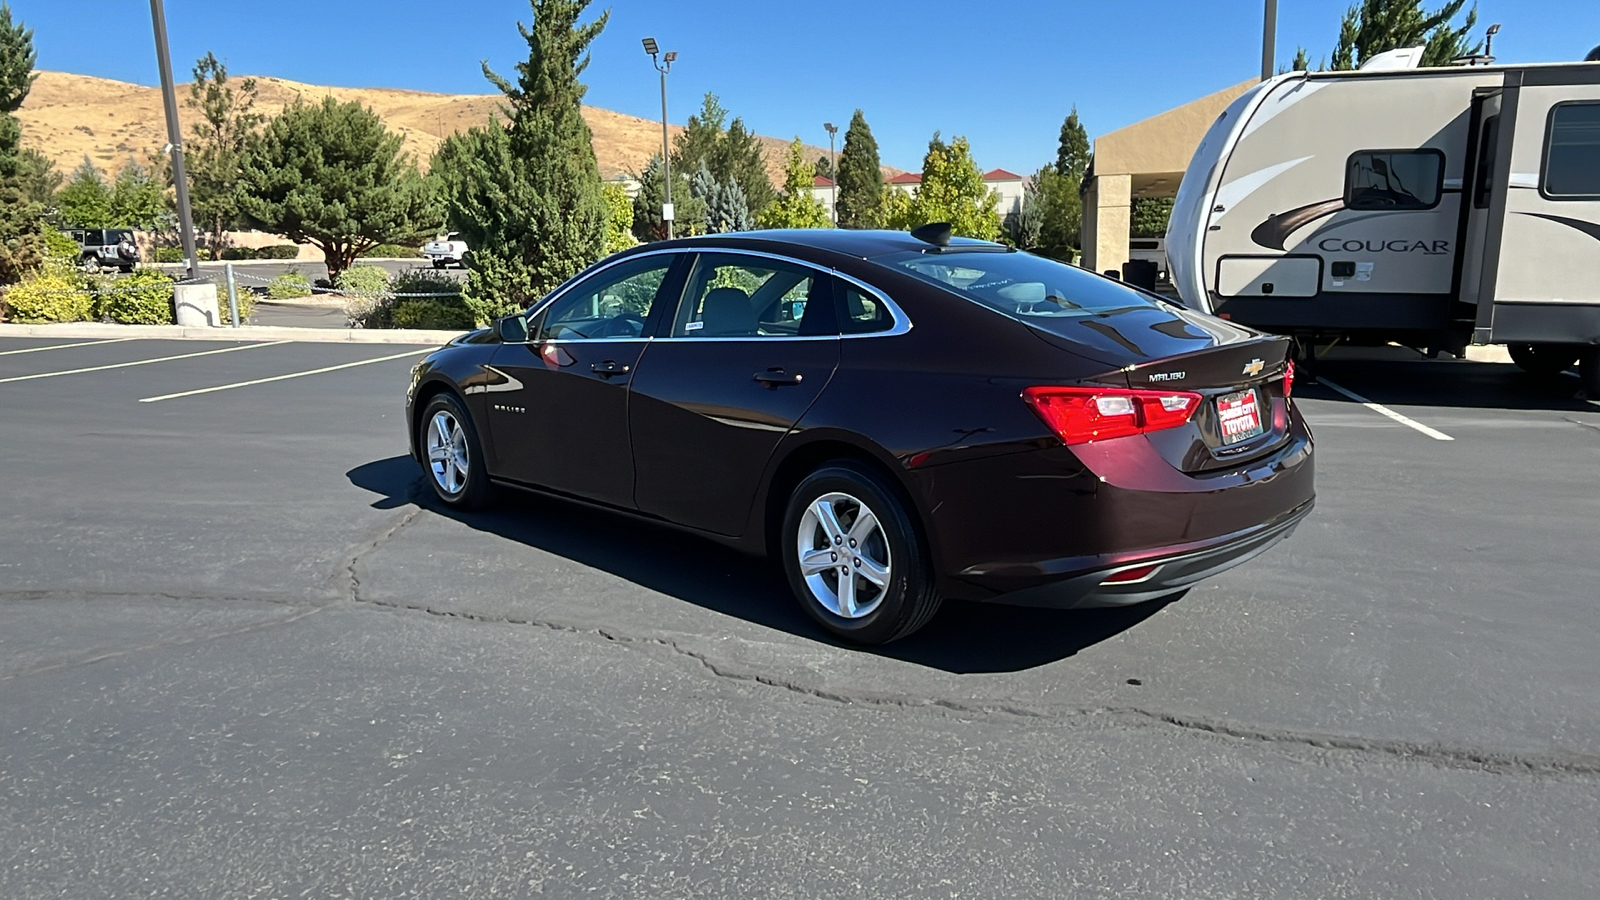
{"x": 60, "y": 246}
{"x": 392, "y": 251}
{"x": 288, "y": 286}
{"x": 55, "y": 294}
{"x": 363, "y": 281}
{"x": 169, "y": 254}
{"x": 247, "y": 303}
{"x": 432, "y": 312}
{"x": 142, "y": 298}
{"x": 279, "y": 251}
{"x": 233, "y": 254}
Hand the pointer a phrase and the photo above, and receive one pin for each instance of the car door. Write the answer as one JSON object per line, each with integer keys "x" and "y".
{"x": 751, "y": 346}
{"x": 559, "y": 420}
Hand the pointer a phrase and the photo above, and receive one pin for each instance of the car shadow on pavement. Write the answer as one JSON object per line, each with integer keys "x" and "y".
{"x": 1450, "y": 383}
{"x": 963, "y": 638}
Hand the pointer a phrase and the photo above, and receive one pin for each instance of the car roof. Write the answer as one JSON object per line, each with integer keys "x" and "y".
{"x": 864, "y": 244}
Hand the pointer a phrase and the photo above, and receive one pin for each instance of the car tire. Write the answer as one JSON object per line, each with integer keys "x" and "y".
{"x": 452, "y": 455}
{"x": 1589, "y": 371}
{"x": 869, "y": 581}
{"x": 1543, "y": 359}
{"x": 439, "y": 264}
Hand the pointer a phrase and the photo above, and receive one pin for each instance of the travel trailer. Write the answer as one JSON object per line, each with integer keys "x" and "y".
{"x": 1432, "y": 207}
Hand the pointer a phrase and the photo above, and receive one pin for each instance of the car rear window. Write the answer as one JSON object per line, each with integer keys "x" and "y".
{"x": 1031, "y": 288}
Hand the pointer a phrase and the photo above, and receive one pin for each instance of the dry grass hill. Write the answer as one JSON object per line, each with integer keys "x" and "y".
{"x": 70, "y": 116}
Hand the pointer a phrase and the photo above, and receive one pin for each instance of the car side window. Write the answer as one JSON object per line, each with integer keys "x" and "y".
{"x": 610, "y": 305}
{"x": 737, "y": 296}
{"x": 864, "y": 313}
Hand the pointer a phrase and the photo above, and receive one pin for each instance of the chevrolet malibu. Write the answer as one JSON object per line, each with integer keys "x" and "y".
{"x": 896, "y": 418}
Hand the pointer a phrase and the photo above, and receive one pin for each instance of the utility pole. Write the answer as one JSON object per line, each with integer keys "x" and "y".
{"x": 180, "y": 177}
{"x": 833, "y": 169}
{"x": 663, "y": 66}
{"x": 1269, "y": 41}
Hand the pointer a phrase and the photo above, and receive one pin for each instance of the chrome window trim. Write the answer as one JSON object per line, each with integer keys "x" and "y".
{"x": 902, "y": 322}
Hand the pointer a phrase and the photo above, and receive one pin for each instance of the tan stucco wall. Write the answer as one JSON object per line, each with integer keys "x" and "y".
{"x": 1107, "y": 217}
{"x": 1165, "y": 142}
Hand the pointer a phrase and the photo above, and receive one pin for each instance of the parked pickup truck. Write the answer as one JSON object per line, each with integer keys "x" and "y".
{"x": 445, "y": 251}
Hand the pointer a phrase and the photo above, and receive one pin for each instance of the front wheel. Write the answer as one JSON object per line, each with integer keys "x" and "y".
{"x": 1542, "y": 359}
{"x": 453, "y": 454}
{"x": 853, "y": 558}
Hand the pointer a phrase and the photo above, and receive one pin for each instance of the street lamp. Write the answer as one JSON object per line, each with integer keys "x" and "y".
{"x": 664, "y": 65}
{"x": 1269, "y": 40}
{"x": 833, "y": 169}
{"x": 169, "y": 100}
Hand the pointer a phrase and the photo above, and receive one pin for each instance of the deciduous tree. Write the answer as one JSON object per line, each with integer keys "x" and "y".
{"x": 796, "y": 207}
{"x": 212, "y": 156}
{"x": 953, "y": 191}
{"x": 1376, "y": 26}
{"x": 860, "y": 177}
{"x": 332, "y": 175}
{"x": 85, "y": 200}
{"x": 1060, "y": 213}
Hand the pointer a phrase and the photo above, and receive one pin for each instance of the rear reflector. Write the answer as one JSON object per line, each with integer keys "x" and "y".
{"x": 1127, "y": 575}
{"x": 1079, "y": 415}
{"x": 1288, "y": 379}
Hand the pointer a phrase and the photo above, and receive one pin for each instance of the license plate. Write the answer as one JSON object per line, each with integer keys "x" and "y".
{"x": 1239, "y": 415}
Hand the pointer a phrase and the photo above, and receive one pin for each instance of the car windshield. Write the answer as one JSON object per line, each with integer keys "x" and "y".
{"x": 1027, "y": 287}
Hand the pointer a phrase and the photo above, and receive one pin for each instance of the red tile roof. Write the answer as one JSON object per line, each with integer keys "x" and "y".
{"x": 819, "y": 181}
{"x": 907, "y": 178}
{"x": 1001, "y": 175}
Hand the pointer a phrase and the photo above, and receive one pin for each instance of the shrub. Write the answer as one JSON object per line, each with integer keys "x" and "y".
{"x": 392, "y": 251}
{"x": 55, "y": 294}
{"x": 142, "y": 298}
{"x": 247, "y": 303}
{"x": 60, "y": 246}
{"x": 279, "y": 251}
{"x": 381, "y": 311}
{"x": 288, "y": 286}
{"x": 170, "y": 254}
{"x": 433, "y": 312}
{"x": 363, "y": 281}
{"x": 237, "y": 253}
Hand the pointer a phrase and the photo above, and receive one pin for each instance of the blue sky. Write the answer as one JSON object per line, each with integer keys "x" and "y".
{"x": 1003, "y": 73}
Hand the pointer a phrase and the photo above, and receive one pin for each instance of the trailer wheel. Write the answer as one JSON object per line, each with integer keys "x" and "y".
{"x": 1589, "y": 371}
{"x": 1543, "y": 359}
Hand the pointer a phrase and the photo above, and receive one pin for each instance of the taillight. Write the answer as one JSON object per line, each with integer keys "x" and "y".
{"x": 1288, "y": 378}
{"x": 1079, "y": 415}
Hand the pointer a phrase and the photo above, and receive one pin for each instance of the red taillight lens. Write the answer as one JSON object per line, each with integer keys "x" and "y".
{"x": 1288, "y": 379}
{"x": 1083, "y": 414}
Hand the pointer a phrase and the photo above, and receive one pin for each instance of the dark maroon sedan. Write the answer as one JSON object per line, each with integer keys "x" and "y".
{"x": 899, "y": 418}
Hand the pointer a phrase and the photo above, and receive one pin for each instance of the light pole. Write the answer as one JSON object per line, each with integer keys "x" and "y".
{"x": 1269, "y": 40}
{"x": 664, "y": 65}
{"x": 180, "y": 178}
{"x": 833, "y": 169}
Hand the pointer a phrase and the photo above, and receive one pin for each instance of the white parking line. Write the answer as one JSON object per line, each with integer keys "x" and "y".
{"x": 141, "y": 362}
{"x": 1382, "y": 410}
{"x": 229, "y": 387}
{"x": 65, "y": 346}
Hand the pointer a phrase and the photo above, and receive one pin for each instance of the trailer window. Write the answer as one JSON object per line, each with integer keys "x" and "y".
{"x": 1393, "y": 179}
{"x": 1572, "y": 152}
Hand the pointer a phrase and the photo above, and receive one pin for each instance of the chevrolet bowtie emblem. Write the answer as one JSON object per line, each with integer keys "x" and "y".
{"x": 1254, "y": 368}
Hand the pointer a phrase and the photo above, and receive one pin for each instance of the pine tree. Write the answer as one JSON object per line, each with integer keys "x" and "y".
{"x": 527, "y": 195}
{"x": 697, "y": 144}
{"x": 860, "y": 177}
{"x": 137, "y": 199}
{"x": 689, "y": 212}
{"x": 39, "y": 178}
{"x": 332, "y": 175}
{"x": 727, "y": 210}
{"x": 1072, "y": 150}
{"x": 85, "y": 200}
{"x": 824, "y": 167}
{"x": 1376, "y": 26}
{"x": 796, "y": 207}
{"x": 953, "y": 191}
{"x": 1302, "y": 61}
{"x": 1060, "y": 213}
{"x": 227, "y": 120}
{"x": 22, "y": 229}
{"x": 732, "y": 153}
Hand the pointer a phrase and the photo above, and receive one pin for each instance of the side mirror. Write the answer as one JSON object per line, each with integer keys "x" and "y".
{"x": 512, "y": 329}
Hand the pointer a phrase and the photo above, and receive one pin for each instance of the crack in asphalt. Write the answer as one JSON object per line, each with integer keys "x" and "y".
{"x": 1550, "y": 765}
{"x": 346, "y": 580}
{"x": 1589, "y": 425}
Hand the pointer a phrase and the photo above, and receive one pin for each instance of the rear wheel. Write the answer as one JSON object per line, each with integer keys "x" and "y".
{"x": 439, "y": 263}
{"x": 453, "y": 454}
{"x": 1543, "y": 359}
{"x": 853, "y": 558}
{"x": 1589, "y": 371}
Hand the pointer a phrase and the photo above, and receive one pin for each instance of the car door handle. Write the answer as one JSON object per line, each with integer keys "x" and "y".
{"x": 777, "y": 377}
{"x": 609, "y": 368}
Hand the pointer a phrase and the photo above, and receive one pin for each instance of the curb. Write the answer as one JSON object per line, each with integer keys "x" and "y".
{"x": 244, "y": 333}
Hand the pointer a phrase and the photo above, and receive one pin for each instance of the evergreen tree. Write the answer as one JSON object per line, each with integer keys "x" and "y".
{"x": 85, "y": 200}
{"x": 1023, "y": 228}
{"x": 1376, "y": 26}
{"x": 731, "y": 153}
{"x": 796, "y": 207}
{"x": 952, "y": 191}
{"x": 332, "y": 175}
{"x": 227, "y": 119}
{"x": 38, "y": 177}
{"x": 824, "y": 167}
{"x": 22, "y": 230}
{"x": 1060, "y": 213}
{"x": 727, "y": 209}
{"x": 689, "y": 212}
{"x": 700, "y": 141}
{"x": 137, "y": 200}
{"x": 1072, "y": 150}
{"x": 527, "y": 195}
{"x": 1302, "y": 61}
{"x": 860, "y": 177}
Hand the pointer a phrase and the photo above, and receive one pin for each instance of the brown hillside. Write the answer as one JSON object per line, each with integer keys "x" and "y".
{"x": 69, "y": 117}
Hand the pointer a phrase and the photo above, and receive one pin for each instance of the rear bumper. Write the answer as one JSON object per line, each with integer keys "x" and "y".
{"x": 1176, "y": 568}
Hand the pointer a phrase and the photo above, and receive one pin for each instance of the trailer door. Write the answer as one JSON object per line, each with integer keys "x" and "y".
{"x": 1545, "y": 253}
{"x": 1478, "y": 195}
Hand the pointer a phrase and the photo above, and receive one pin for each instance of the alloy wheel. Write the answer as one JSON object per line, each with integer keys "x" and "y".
{"x": 448, "y": 459}
{"x": 844, "y": 555}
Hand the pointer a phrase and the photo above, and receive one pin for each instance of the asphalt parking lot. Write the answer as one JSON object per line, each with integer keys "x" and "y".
{"x": 242, "y": 655}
